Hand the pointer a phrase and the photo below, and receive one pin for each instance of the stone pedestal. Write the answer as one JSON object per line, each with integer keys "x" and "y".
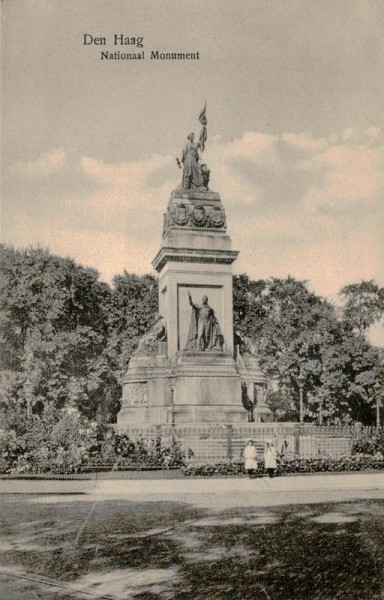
{"x": 208, "y": 389}
{"x": 175, "y": 385}
{"x": 195, "y": 255}
{"x": 146, "y": 392}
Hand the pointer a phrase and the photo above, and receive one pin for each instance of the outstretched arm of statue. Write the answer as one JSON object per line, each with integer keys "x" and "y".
{"x": 190, "y": 300}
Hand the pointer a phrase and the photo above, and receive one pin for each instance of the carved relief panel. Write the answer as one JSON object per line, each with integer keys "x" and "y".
{"x": 136, "y": 394}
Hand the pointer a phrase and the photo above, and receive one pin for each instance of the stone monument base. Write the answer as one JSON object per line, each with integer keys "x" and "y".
{"x": 208, "y": 389}
{"x": 198, "y": 388}
{"x": 147, "y": 397}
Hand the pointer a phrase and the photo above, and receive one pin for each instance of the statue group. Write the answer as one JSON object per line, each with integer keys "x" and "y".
{"x": 204, "y": 332}
{"x": 186, "y": 370}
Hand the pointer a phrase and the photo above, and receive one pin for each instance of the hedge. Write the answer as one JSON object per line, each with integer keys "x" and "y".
{"x": 356, "y": 462}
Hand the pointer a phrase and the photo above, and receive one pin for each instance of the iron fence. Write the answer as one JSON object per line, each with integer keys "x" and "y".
{"x": 222, "y": 442}
{"x": 215, "y": 443}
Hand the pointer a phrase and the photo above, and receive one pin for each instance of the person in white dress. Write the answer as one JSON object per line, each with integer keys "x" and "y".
{"x": 250, "y": 458}
{"x": 270, "y": 456}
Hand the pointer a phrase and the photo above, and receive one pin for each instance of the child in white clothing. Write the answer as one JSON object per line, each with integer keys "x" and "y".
{"x": 250, "y": 456}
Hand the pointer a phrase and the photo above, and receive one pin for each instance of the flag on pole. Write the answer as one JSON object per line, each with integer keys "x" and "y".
{"x": 202, "y": 117}
{"x": 203, "y": 132}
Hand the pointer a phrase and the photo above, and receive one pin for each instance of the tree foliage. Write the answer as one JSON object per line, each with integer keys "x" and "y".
{"x": 132, "y": 309}
{"x": 296, "y": 331}
{"x": 67, "y": 339}
{"x": 364, "y": 305}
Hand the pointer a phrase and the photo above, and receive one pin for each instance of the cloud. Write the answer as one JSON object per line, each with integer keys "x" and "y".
{"x": 254, "y": 147}
{"x": 296, "y": 204}
{"x": 346, "y": 134}
{"x": 319, "y": 250}
{"x": 373, "y": 132}
{"x": 304, "y": 142}
{"x": 234, "y": 165}
{"x": 325, "y": 226}
{"x": 45, "y": 165}
{"x": 352, "y": 174}
{"x": 124, "y": 199}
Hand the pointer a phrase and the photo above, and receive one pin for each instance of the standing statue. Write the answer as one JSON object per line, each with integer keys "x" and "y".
{"x": 194, "y": 176}
{"x": 204, "y": 332}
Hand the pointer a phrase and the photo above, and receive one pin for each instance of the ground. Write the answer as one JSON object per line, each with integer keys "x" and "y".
{"x": 260, "y": 542}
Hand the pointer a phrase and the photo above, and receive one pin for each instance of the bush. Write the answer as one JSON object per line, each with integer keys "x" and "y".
{"x": 121, "y": 451}
{"x": 56, "y": 441}
{"x": 371, "y": 444}
{"x": 298, "y": 465}
{"x": 62, "y": 442}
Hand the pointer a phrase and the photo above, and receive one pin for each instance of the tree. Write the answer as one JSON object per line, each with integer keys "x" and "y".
{"x": 53, "y": 327}
{"x": 296, "y": 331}
{"x": 249, "y": 310}
{"x": 364, "y": 305}
{"x": 132, "y": 309}
{"x": 67, "y": 337}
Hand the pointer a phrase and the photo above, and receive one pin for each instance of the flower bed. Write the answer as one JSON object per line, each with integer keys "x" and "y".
{"x": 357, "y": 462}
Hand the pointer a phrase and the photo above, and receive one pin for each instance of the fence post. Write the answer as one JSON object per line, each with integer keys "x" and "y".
{"x": 296, "y": 436}
{"x": 158, "y": 439}
{"x": 358, "y": 430}
{"x": 229, "y": 441}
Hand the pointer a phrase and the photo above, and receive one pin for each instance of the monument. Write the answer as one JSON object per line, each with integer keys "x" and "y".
{"x": 186, "y": 370}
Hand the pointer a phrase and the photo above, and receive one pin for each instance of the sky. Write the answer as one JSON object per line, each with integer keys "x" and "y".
{"x": 295, "y": 145}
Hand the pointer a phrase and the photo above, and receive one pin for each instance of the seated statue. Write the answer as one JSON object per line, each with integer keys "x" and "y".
{"x": 205, "y": 173}
{"x": 148, "y": 344}
{"x": 245, "y": 344}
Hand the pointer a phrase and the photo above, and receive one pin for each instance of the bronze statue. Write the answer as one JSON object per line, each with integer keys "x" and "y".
{"x": 192, "y": 177}
{"x": 204, "y": 123}
{"x": 246, "y": 345}
{"x": 204, "y": 332}
{"x": 148, "y": 343}
{"x": 195, "y": 176}
{"x": 205, "y": 173}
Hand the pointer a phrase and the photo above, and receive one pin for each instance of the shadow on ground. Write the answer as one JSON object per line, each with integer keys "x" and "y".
{"x": 120, "y": 549}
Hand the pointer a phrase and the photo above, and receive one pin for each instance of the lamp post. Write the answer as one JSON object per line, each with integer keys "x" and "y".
{"x": 300, "y": 381}
{"x": 320, "y": 411}
{"x": 172, "y": 383}
{"x": 377, "y": 388}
